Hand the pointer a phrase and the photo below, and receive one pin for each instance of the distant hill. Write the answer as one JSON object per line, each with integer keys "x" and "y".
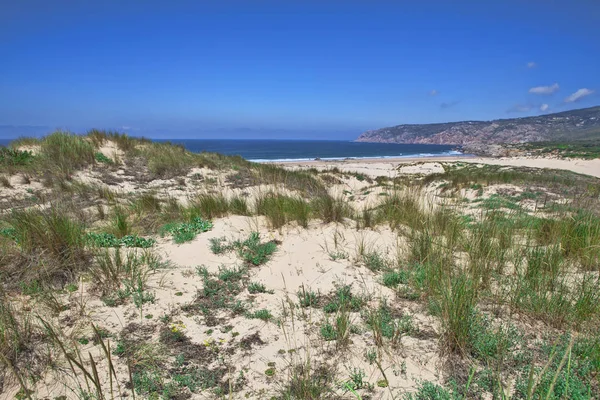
{"x": 571, "y": 125}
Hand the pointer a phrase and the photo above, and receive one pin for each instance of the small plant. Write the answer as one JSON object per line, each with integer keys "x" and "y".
{"x": 101, "y": 158}
{"x": 343, "y": 298}
{"x": 392, "y": 279}
{"x": 263, "y": 314}
{"x": 371, "y": 355}
{"x": 270, "y": 372}
{"x": 308, "y": 298}
{"x": 217, "y": 246}
{"x": 256, "y": 287}
{"x": 338, "y": 255}
{"x": 251, "y": 250}
{"x": 357, "y": 379}
{"x": 71, "y": 287}
{"x": 328, "y": 332}
{"x": 110, "y": 240}
{"x": 186, "y": 231}
{"x": 14, "y": 157}
{"x": 375, "y": 262}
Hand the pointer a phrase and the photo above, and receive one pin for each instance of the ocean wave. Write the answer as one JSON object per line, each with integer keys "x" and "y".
{"x": 416, "y": 155}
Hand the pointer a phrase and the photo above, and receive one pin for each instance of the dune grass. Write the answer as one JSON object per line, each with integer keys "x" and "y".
{"x": 281, "y": 209}
{"x": 485, "y": 270}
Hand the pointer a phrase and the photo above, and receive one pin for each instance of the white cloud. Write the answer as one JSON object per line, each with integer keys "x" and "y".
{"x": 581, "y": 93}
{"x": 544, "y": 89}
{"x": 544, "y": 107}
{"x": 433, "y": 92}
{"x": 531, "y": 64}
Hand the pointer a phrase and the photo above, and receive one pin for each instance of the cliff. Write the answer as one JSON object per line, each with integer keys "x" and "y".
{"x": 568, "y": 125}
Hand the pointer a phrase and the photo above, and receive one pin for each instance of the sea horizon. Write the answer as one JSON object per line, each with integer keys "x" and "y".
{"x": 275, "y": 150}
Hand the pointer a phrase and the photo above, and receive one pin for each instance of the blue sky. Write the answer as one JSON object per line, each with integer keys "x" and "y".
{"x": 289, "y": 69}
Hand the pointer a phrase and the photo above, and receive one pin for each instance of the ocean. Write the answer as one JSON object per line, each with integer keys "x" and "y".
{"x": 302, "y": 150}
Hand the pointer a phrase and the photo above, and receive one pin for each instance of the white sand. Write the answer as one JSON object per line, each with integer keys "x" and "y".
{"x": 387, "y": 166}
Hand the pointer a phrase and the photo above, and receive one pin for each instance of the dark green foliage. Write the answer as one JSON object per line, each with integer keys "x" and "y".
{"x": 328, "y": 332}
{"x": 251, "y": 250}
{"x": 308, "y": 298}
{"x": 385, "y": 323}
{"x": 219, "y": 291}
{"x": 489, "y": 344}
{"x": 110, "y": 240}
{"x": 185, "y": 231}
{"x": 14, "y": 157}
{"x": 430, "y": 391}
{"x": 263, "y": 314}
{"x": 343, "y": 298}
{"x": 586, "y": 149}
{"x": 577, "y": 379}
{"x": 375, "y": 262}
{"x": 101, "y": 158}
{"x": 306, "y": 382}
{"x": 393, "y": 278}
{"x": 256, "y": 287}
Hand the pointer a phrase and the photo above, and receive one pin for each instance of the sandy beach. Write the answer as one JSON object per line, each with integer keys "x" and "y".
{"x": 384, "y": 166}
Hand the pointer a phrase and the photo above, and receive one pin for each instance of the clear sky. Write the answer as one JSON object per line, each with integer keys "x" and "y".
{"x": 289, "y": 69}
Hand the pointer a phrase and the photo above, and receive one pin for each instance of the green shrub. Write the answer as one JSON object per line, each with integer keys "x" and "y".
{"x": 14, "y": 157}
{"x": 343, "y": 298}
{"x": 263, "y": 314}
{"x": 392, "y": 279}
{"x": 185, "y": 231}
{"x": 101, "y": 158}
{"x": 253, "y": 251}
{"x": 110, "y": 240}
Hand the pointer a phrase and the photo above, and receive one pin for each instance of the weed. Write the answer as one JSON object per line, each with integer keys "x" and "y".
{"x": 392, "y": 279}
{"x": 263, "y": 314}
{"x": 110, "y": 240}
{"x": 185, "y": 231}
{"x": 256, "y": 287}
{"x": 375, "y": 262}
{"x": 308, "y": 298}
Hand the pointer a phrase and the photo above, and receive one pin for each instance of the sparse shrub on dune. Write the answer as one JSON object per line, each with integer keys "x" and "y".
{"x": 252, "y": 250}
{"x": 209, "y": 206}
{"x": 50, "y": 241}
{"x": 330, "y": 209}
{"x": 10, "y": 157}
{"x": 281, "y": 209}
{"x": 304, "y": 182}
{"x": 66, "y": 152}
{"x": 165, "y": 160}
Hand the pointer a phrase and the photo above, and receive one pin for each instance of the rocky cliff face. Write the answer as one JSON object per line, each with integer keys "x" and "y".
{"x": 575, "y": 124}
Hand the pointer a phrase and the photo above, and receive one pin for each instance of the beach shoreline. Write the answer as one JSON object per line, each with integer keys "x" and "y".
{"x": 388, "y": 166}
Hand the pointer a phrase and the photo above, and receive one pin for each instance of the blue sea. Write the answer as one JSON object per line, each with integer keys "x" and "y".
{"x": 303, "y": 150}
